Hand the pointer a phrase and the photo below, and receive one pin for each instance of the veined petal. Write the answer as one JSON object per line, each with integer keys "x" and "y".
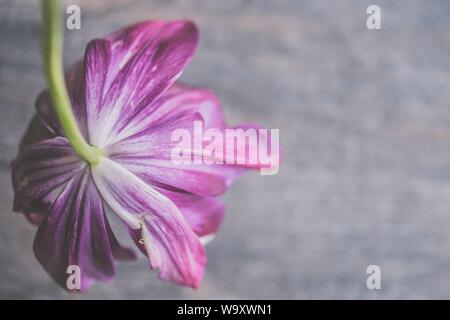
{"x": 153, "y": 219}
{"x": 189, "y": 104}
{"x": 204, "y": 180}
{"x": 148, "y": 155}
{"x": 125, "y": 75}
{"x": 145, "y": 146}
{"x": 155, "y": 141}
{"x": 76, "y": 233}
{"x": 40, "y": 168}
{"x": 179, "y": 100}
{"x": 125, "y": 43}
{"x": 203, "y": 214}
{"x": 179, "y": 257}
{"x": 35, "y": 132}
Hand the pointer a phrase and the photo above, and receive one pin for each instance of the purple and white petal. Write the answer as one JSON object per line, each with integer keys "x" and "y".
{"x": 155, "y": 220}
{"x": 40, "y": 168}
{"x": 197, "y": 179}
{"x": 203, "y": 214}
{"x": 148, "y": 154}
{"x": 35, "y": 132}
{"x": 121, "y": 84}
{"x": 174, "y": 249}
{"x": 75, "y": 233}
{"x": 179, "y": 100}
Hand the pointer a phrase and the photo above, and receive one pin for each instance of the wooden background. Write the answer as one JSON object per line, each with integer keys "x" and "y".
{"x": 364, "y": 120}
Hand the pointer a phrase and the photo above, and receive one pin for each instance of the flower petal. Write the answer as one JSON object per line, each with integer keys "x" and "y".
{"x": 76, "y": 233}
{"x": 148, "y": 154}
{"x": 203, "y": 214}
{"x": 182, "y": 101}
{"x": 178, "y": 101}
{"x": 203, "y": 180}
{"x": 170, "y": 243}
{"x": 180, "y": 257}
{"x": 35, "y": 132}
{"x": 40, "y": 168}
{"x": 124, "y": 75}
{"x": 145, "y": 146}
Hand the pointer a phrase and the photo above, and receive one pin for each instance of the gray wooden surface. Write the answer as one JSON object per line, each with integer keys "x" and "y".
{"x": 364, "y": 118}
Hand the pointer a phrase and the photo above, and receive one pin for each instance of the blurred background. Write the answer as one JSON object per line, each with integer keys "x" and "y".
{"x": 364, "y": 121}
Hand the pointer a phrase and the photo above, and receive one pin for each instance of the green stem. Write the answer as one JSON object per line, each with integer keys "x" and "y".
{"x": 52, "y": 45}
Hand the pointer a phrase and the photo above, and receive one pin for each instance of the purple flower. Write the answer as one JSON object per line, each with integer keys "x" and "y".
{"x": 126, "y": 103}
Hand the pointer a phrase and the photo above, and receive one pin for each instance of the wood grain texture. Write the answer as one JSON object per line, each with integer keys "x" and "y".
{"x": 364, "y": 118}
